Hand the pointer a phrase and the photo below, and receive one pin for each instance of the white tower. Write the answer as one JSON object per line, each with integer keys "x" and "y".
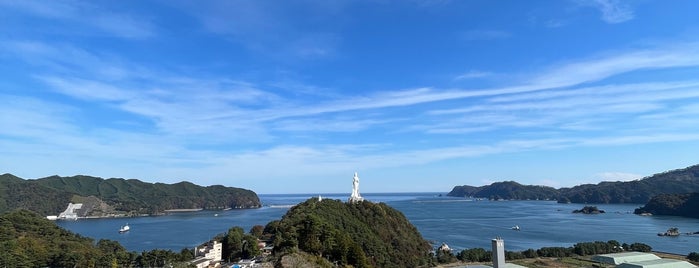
{"x": 355, "y": 197}
{"x": 498, "y": 253}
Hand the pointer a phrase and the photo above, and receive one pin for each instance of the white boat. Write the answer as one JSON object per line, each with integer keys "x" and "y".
{"x": 516, "y": 227}
{"x": 124, "y": 228}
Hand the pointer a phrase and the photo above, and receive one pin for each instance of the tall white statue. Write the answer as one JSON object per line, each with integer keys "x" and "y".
{"x": 355, "y": 197}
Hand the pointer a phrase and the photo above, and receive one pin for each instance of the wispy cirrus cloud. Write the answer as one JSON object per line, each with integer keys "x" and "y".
{"x": 613, "y": 11}
{"x": 472, "y": 75}
{"x": 184, "y": 115}
{"x": 272, "y": 29}
{"x": 78, "y": 16}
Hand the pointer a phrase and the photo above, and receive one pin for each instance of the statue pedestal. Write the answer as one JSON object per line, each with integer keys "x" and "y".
{"x": 355, "y": 199}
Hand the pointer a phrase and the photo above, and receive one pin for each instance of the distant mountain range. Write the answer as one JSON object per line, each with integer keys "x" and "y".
{"x": 102, "y": 197}
{"x": 684, "y": 180}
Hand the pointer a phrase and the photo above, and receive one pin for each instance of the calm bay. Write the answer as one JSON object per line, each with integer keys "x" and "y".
{"x": 459, "y": 222}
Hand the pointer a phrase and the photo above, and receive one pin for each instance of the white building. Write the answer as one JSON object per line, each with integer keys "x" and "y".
{"x": 209, "y": 255}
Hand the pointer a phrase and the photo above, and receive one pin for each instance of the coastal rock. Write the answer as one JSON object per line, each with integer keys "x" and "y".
{"x": 589, "y": 210}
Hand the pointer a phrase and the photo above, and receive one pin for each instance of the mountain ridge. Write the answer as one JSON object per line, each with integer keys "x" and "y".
{"x": 683, "y": 180}
{"x": 50, "y": 195}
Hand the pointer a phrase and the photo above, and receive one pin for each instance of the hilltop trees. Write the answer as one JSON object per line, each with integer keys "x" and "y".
{"x": 362, "y": 234}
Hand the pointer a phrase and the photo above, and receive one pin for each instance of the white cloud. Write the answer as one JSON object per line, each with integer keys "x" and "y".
{"x": 268, "y": 28}
{"x": 613, "y": 11}
{"x": 472, "y": 75}
{"x": 86, "y": 16}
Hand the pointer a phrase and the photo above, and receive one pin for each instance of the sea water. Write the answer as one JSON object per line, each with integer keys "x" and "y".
{"x": 460, "y": 222}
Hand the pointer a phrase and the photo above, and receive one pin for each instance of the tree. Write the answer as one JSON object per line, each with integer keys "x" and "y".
{"x": 232, "y": 244}
{"x": 640, "y": 247}
{"x": 257, "y": 231}
{"x": 693, "y": 256}
{"x": 445, "y": 256}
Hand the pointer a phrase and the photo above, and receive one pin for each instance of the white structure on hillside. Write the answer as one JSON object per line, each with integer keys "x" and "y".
{"x": 70, "y": 213}
{"x": 355, "y": 197}
{"x": 209, "y": 255}
{"x": 498, "y": 256}
{"x": 498, "y": 253}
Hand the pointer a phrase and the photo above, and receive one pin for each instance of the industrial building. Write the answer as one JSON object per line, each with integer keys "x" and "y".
{"x": 640, "y": 260}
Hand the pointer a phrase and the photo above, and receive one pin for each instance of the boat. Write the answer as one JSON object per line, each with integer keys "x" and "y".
{"x": 124, "y": 229}
{"x": 516, "y": 227}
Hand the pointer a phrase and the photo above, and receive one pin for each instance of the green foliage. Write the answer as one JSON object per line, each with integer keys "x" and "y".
{"x": 474, "y": 255}
{"x": 257, "y": 231}
{"x": 597, "y": 247}
{"x": 506, "y": 190}
{"x": 640, "y": 247}
{"x": 554, "y": 252}
{"x": 513, "y": 255}
{"x": 16, "y": 193}
{"x": 362, "y": 234}
{"x": 50, "y": 195}
{"x": 686, "y": 205}
{"x": 693, "y": 256}
{"x": 445, "y": 256}
{"x": 589, "y": 210}
{"x": 638, "y": 192}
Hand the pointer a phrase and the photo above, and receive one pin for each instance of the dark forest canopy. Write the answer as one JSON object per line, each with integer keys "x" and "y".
{"x": 684, "y": 180}
{"x": 362, "y": 234}
{"x": 49, "y": 196}
{"x": 685, "y": 205}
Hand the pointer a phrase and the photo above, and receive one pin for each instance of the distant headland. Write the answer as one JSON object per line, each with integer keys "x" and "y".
{"x": 678, "y": 181}
{"x": 94, "y": 197}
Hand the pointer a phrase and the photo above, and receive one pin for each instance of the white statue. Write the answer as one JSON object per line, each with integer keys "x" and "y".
{"x": 355, "y": 189}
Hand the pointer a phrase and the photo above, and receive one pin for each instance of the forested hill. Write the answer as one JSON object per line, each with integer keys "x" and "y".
{"x": 506, "y": 190}
{"x": 684, "y": 180}
{"x": 685, "y": 205}
{"x": 362, "y": 234}
{"x": 49, "y": 196}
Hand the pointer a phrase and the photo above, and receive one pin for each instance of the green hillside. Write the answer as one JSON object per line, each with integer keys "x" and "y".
{"x": 362, "y": 234}
{"x": 685, "y": 205}
{"x": 684, "y": 180}
{"x": 50, "y": 195}
{"x": 506, "y": 190}
{"x": 16, "y": 193}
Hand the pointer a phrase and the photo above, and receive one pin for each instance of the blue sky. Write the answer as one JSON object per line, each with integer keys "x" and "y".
{"x": 295, "y": 96}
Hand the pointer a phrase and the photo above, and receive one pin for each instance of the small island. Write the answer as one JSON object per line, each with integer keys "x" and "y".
{"x": 589, "y": 210}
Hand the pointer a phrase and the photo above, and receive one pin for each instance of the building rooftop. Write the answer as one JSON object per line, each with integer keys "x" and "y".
{"x": 661, "y": 263}
{"x": 624, "y": 257}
